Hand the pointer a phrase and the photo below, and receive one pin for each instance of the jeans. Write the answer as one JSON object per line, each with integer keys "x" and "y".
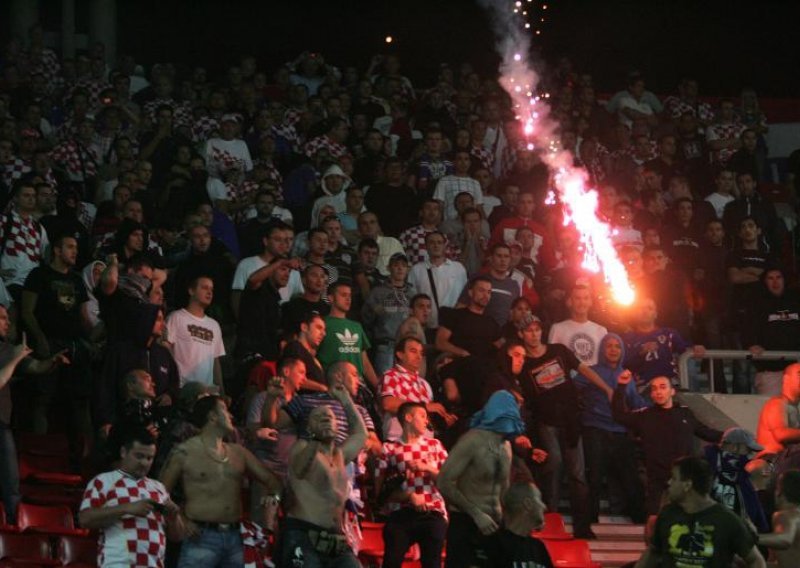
{"x": 406, "y": 527}
{"x": 297, "y": 550}
{"x": 554, "y": 442}
{"x": 9, "y": 473}
{"x": 611, "y": 456}
{"x": 213, "y": 548}
{"x": 383, "y": 358}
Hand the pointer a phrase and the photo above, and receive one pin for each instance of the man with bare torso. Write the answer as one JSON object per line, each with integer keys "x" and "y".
{"x": 312, "y": 533}
{"x": 779, "y": 422}
{"x": 211, "y": 471}
{"x": 784, "y": 540}
{"x": 474, "y": 477}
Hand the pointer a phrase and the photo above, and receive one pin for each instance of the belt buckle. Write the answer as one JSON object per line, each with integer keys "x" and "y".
{"x": 224, "y": 526}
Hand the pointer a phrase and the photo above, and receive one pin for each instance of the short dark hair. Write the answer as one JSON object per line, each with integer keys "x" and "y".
{"x": 697, "y": 471}
{"x": 470, "y": 211}
{"x": 140, "y": 260}
{"x": 416, "y": 298}
{"x": 202, "y": 408}
{"x": 276, "y": 225}
{"x": 400, "y": 346}
{"x": 127, "y": 432}
{"x": 790, "y": 486}
{"x": 406, "y": 408}
{"x": 367, "y": 243}
{"x": 288, "y": 361}
{"x": 432, "y": 233}
{"x": 316, "y": 231}
{"x": 196, "y": 280}
{"x": 22, "y": 184}
{"x": 338, "y": 284}
{"x": 477, "y": 279}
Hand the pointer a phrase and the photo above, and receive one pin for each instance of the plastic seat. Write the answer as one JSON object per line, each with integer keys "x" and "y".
{"x": 26, "y": 550}
{"x": 48, "y": 469}
{"x": 553, "y": 528}
{"x": 52, "y": 520}
{"x": 573, "y": 553}
{"x": 77, "y": 551}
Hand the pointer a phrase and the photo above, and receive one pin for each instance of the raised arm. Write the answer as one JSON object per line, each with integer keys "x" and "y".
{"x": 357, "y": 430}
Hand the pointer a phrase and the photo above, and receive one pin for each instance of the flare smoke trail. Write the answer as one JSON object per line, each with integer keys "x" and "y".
{"x": 579, "y": 202}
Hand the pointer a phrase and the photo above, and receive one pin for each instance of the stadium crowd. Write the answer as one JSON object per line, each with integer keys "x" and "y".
{"x": 347, "y": 295}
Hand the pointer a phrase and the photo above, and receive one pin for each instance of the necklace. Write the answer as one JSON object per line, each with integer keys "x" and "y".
{"x": 214, "y": 456}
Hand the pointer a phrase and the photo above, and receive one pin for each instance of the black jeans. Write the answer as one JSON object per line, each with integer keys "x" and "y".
{"x": 406, "y": 527}
{"x": 611, "y": 456}
{"x": 466, "y": 546}
{"x": 9, "y": 473}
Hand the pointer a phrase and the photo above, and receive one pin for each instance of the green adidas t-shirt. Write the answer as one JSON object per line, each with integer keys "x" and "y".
{"x": 344, "y": 341}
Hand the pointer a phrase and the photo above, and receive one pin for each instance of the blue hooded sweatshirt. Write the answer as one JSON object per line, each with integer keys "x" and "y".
{"x": 595, "y": 406}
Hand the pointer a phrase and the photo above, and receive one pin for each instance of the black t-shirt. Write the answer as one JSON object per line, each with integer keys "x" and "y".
{"x": 509, "y": 550}
{"x": 297, "y": 310}
{"x": 743, "y": 295}
{"x": 706, "y": 539}
{"x": 314, "y": 370}
{"x": 58, "y": 302}
{"x": 548, "y": 387}
{"x": 474, "y": 332}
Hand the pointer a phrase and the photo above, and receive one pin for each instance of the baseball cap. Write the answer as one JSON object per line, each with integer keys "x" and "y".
{"x": 741, "y": 436}
{"x": 527, "y": 321}
{"x": 398, "y": 256}
{"x": 230, "y": 117}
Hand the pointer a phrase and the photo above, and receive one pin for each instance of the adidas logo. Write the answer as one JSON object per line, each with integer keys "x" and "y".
{"x": 349, "y": 342}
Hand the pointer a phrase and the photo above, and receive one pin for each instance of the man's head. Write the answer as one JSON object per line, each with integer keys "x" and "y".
{"x": 500, "y": 260}
{"x": 315, "y": 279}
{"x": 25, "y": 197}
{"x": 655, "y": 260}
{"x": 623, "y": 214}
{"x": 691, "y": 477}
{"x": 529, "y": 330}
{"x": 65, "y": 250}
{"x": 791, "y": 383}
{"x": 340, "y": 295}
{"x": 579, "y": 302}
{"x": 333, "y": 227}
{"x": 462, "y": 162}
{"x": 522, "y": 503}
{"x": 471, "y": 218}
{"x": 435, "y": 244}
{"x": 631, "y": 258}
{"x": 368, "y": 226}
{"x": 749, "y": 139}
{"x": 413, "y": 417}
{"x": 479, "y": 291}
{"x": 409, "y": 353}
{"x": 788, "y": 488}
{"x": 317, "y": 241}
{"x": 525, "y": 205}
{"x": 421, "y": 308}
{"x": 354, "y": 199}
{"x": 322, "y": 424}
{"x": 430, "y": 212}
{"x": 398, "y": 268}
{"x": 200, "y": 239}
{"x": 463, "y": 201}
{"x": 715, "y": 232}
{"x": 646, "y": 312}
{"x": 293, "y": 372}
{"x": 510, "y": 195}
{"x": 774, "y": 281}
{"x": 278, "y": 238}
{"x": 201, "y": 291}
{"x": 312, "y": 330}
{"x": 612, "y": 350}
{"x": 662, "y": 392}
{"x": 137, "y": 449}
{"x": 749, "y": 232}
{"x": 264, "y": 203}
{"x": 345, "y": 374}
{"x": 138, "y": 385}
{"x": 368, "y": 253}
{"x": 723, "y": 181}
{"x": 746, "y": 182}
{"x": 210, "y": 414}
{"x": 280, "y": 277}
{"x": 46, "y": 198}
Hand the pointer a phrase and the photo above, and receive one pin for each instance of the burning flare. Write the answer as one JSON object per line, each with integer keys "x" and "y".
{"x": 579, "y": 202}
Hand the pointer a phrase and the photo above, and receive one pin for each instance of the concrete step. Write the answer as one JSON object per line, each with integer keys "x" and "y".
{"x": 615, "y": 559}
{"x": 616, "y": 546}
{"x": 616, "y": 531}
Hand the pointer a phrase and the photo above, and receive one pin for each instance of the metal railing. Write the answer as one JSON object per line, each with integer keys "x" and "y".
{"x": 714, "y": 354}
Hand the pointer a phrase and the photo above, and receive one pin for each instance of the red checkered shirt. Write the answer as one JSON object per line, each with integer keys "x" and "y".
{"x": 15, "y": 169}
{"x": 677, "y": 107}
{"x": 203, "y": 127}
{"x": 483, "y": 156}
{"x": 76, "y": 159}
{"x": 395, "y": 458}
{"x": 181, "y": 112}
{"x": 728, "y": 131}
{"x": 335, "y": 149}
{"x": 413, "y": 241}
{"x": 132, "y": 541}
{"x": 46, "y": 64}
{"x": 92, "y": 86}
{"x": 22, "y": 237}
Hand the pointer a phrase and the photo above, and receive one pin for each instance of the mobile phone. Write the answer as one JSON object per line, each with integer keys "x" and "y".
{"x": 159, "y": 507}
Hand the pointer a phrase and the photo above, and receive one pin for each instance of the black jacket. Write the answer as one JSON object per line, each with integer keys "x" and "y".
{"x": 774, "y": 324}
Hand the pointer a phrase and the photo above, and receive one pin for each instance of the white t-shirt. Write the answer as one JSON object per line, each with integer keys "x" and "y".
{"x": 449, "y": 186}
{"x": 222, "y": 155}
{"x": 718, "y": 202}
{"x": 248, "y": 265}
{"x": 196, "y": 343}
{"x": 583, "y": 339}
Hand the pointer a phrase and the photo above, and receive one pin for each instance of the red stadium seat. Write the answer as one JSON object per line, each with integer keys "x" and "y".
{"x": 77, "y": 551}
{"x": 553, "y": 529}
{"x": 570, "y": 554}
{"x": 26, "y": 550}
{"x": 47, "y": 469}
{"x": 53, "y": 520}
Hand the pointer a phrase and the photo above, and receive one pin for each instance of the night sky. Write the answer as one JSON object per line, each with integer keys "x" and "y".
{"x": 725, "y": 44}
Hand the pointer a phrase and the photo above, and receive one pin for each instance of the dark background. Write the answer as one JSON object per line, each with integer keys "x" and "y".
{"x": 725, "y": 44}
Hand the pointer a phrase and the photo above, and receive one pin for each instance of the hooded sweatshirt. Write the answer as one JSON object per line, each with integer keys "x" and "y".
{"x": 328, "y": 198}
{"x": 92, "y": 305}
{"x": 500, "y": 414}
{"x": 595, "y": 407}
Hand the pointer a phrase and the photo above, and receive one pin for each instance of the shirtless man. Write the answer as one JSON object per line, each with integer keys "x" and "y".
{"x": 211, "y": 471}
{"x": 474, "y": 477}
{"x": 784, "y": 540}
{"x": 312, "y": 533}
{"x": 779, "y": 422}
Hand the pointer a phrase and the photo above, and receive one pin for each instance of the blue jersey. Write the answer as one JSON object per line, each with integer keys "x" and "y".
{"x": 652, "y": 354}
